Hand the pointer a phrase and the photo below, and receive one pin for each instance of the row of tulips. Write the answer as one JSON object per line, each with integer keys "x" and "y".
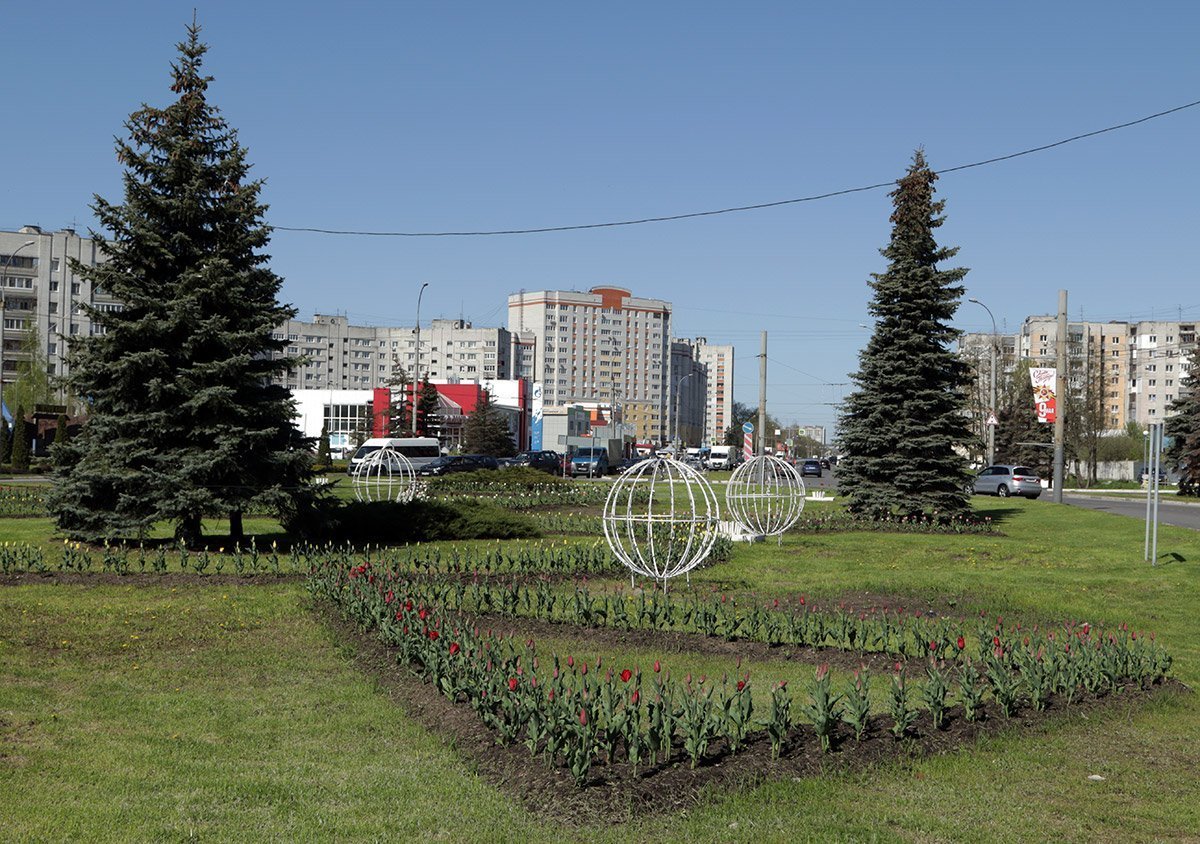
{"x": 511, "y": 558}
{"x": 839, "y": 521}
{"x": 577, "y": 713}
{"x": 21, "y": 502}
{"x": 1079, "y": 648}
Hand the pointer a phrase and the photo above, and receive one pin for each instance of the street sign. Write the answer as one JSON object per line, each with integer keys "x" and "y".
{"x": 991, "y": 420}
{"x": 748, "y": 428}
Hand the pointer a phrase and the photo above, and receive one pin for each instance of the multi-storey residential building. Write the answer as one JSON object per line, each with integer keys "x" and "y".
{"x": 340, "y": 356}
{"x": 1134, "y": 370}
{"x": 605, "y": 347}
{"x": 42, "y": 297}
{"x": 718, "y": 401}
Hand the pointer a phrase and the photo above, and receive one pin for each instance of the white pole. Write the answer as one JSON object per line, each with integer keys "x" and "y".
{"x": 1157, "y": 467}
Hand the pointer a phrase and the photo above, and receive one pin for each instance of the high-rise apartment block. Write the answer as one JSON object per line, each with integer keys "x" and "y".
{"x": 718, "y": 400}
{"x": 41, "y": 297}
{"x": 1133, "y": 370}
{"x": 605, "y": 347}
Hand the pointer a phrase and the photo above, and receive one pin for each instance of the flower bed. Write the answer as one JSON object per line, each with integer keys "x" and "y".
{"x": 577, "y": 715}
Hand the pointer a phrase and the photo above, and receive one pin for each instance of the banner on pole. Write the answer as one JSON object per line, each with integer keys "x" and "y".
{"x": 1045, "y": 389}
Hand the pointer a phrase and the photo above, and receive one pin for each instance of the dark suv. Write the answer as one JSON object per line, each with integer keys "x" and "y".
{"x": 547, "y": 461}
{"x": 811, "y": 467}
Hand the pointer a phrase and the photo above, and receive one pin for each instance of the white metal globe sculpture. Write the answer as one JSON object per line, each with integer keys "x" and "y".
{"x": 384, "y": 475}
{"x": 661, "y": 519}
{"x": 765, "y": 495}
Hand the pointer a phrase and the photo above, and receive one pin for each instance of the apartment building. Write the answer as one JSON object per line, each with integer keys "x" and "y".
{"x": 42, "y": 297}
{"x": 605, "y": 347}
{"x": 689, "y": 389}
{"x": 336, "y": 355}
{"x": 1138, "y": 367}
{"x": 718, "y": 400}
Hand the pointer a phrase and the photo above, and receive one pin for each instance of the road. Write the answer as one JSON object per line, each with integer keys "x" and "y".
{"x": 1169, "y": 512}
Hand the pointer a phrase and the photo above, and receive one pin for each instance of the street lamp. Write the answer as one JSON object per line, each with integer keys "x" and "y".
{"x": 417, "y": 367}
{"x": 675, "y": 420}
{"x": 7, "y": 263}
{"x": 991, "y": 428}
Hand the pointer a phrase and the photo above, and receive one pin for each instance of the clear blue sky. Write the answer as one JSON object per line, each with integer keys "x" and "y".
{"x": 406, "y": 116}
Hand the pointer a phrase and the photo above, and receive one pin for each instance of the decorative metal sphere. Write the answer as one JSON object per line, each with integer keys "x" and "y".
{"x": 661, "y": 518}
{"x": 384, "y": 475}
{"x": 765, "y": 495}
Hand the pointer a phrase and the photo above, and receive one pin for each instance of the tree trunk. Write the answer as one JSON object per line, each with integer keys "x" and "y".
{"x": 190, "y": 530}
{"x": 236, "y": 536}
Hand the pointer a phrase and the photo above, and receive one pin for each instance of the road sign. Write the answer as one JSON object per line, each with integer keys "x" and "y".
{"x": 991, "y": 420}
{"x": 748, "y": 428}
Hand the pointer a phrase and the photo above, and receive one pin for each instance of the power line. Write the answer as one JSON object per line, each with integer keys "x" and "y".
{"x": 737, "y": 208}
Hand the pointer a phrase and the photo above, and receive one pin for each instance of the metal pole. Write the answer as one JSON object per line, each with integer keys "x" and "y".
{"x": 1059, "y": 420}
{"x": 1157, "y": 438}
{"x": 417, "y": 367}
{"x": 762, "y": 397}
{"x": 1146, "y": 470}
{"x": 3, "y": 302}
{"x": 991, "y": 437}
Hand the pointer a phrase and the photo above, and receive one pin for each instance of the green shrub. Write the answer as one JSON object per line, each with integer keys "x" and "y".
{"x": 391, "y": 523}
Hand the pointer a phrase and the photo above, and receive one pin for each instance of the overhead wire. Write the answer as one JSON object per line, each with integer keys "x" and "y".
{"x": 737, "y": 208}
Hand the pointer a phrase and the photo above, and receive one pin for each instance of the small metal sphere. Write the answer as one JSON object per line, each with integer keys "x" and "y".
{"x": 765, "y": 495}
{"x": 661, "y": 518}
{"x": 384, "y": 475}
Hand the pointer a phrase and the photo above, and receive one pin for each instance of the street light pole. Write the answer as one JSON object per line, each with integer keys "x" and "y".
{"x": 991, "y": 428}
{"x": 675, "y": 419}
{"x": 7, "y": 264}
{"x": 417, "y": 367}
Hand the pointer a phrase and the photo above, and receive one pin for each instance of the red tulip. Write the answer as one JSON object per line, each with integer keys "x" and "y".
{"x": 433, "y": 634}
{"x": 741, "y": 685}
{"x": 962, "y": 643}
{"x": 512, "y": 684}
{"x": 657, "y": 666}
{"x": 583, "y": 719}
{"x": 635, "y": 697}
{"x": 625, "y": 675}
{"x": 454, "y": 648}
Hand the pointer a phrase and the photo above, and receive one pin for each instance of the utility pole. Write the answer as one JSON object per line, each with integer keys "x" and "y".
{"x": 1062, "y": 385}
{"x": 762, "y": 397}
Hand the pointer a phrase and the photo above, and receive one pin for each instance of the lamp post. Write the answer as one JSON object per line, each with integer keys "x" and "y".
{"x": 417, "y": 367}
{"x": 991, "y": 438}
{"x": 675, "y": 419}
{"x": 7, "y": 263}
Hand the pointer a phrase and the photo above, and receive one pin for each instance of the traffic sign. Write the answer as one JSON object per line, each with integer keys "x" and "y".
{"x": 748, "y": 428}
{"x": 991, "y": 420}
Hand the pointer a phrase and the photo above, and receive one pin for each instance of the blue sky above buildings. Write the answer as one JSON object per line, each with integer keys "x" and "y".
{"x": 426, "y": 117}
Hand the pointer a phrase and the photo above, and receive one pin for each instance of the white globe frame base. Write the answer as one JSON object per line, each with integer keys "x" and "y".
{"x": 384, "y": 475}
{"x": 634, "y": 530}
{"x": 737, "y": 532}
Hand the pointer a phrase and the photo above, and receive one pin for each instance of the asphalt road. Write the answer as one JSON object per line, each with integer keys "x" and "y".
{"x": 1170, "y": 512}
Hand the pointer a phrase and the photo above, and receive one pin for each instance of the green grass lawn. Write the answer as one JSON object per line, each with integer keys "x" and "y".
{"x": 230, "y": 712}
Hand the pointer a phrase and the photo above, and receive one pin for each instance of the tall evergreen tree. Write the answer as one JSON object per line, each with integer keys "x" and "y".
{"x": 904, "y": 430}
{"x": 1184, "y": 429}
{"x": 400, "y": 412}
{"x": 20, "y": 441}
{"x": 183, "y": 420}
{"x": 485, "y": 431}
{"x": 429, "y": 420}
{"x": 5, "y": 441}
{"x": 324, "y": 454}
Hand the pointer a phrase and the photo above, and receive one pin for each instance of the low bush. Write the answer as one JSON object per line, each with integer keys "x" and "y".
{"x": 391, "y": 523}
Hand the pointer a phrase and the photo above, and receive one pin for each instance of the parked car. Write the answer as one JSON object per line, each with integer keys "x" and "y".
{"x": 592, "y": 462}
{"x": 546, "y": 461}
{"x": 1006, "y": 480}
{"x": 1162, "y": 476}
{"x": 453, "y": 463}
{"x": 811, "y": 467}
{"x": 628, "y": 463}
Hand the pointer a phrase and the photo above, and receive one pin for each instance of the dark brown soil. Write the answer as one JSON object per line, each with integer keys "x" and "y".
{"x": 615, "y": 793}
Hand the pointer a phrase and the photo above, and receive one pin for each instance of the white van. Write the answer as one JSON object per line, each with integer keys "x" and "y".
{"x": 419, "y": 450}
{"x": 723, "y": 457}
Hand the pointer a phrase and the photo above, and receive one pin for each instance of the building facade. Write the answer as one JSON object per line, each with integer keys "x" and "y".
{"x": 604, "y": 347}
{"x": 42, "y": 299}
{"x": 333, "y": 354}
{"x": 718, "y": 400}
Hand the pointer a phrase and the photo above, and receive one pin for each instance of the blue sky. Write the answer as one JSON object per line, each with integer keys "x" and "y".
{"x": 479, "y": 116}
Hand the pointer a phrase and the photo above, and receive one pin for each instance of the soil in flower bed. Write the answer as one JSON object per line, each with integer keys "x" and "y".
{"x": 615, "y": 793}
{"x": 175, "y": 579}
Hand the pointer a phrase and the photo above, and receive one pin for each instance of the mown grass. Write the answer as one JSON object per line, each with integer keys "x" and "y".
{"x": 244, "y": 721}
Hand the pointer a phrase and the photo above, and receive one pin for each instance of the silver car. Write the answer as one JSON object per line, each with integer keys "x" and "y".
{"x": 1006, "y": 480}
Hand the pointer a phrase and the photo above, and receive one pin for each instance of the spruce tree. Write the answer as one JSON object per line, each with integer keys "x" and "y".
{"x": 902, "y": 425}
{"x": 20, "y": 441}
{"x": 485, "y": 431}
{"x": 5, "y": 440}
{"x": 324, "y": 454}
{"x": 1184, "y": 429}
{"x": 183, "y": 421}
{"x": 429, "y": 421}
